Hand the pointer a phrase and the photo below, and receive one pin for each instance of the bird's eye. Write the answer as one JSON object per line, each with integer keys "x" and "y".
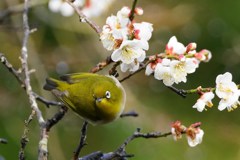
{"x": 108, "y": 94}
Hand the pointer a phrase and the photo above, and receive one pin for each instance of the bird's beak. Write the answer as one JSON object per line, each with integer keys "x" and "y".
{"x": 98, "y": 99}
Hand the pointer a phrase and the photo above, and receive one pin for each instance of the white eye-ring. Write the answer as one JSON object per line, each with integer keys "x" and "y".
{"x": 108, "y": 94}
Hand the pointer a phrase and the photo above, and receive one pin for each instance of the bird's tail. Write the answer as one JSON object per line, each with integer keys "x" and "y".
{"x": 51, "y": 84}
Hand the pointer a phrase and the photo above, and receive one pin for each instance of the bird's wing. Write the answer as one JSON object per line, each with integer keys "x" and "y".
{"x": 61, "y": 95}
{"x": 76, "y": 77}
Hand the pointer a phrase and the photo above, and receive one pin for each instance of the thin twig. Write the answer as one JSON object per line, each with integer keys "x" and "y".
{"x": 131, "y": 17}
{"x": 56, "y": 118}
{"x": 138, "y": 134}
{"x": 32, "y": 100}
{"x": 113, "y": 70}
{"x": 25, "y": 69}
{"x": 43, "y": 145}
{"x": 180, "y": 92}
{"x": 129, "y": 114}
{"x": 133, "y": 73}
{"x": 101, "y": 65}
{"x": 84, "y": 18}
{"x": 47, "y": 102}
{"x": 24, "y": 139}
{"x": 18, "y": 76}
{"x": 120, "y": 153}
{"x": 82, "y": 141}
{"x": 93, "y": 156}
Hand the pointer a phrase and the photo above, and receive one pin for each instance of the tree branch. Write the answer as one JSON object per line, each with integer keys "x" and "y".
{"x": 84, "y": 18}
{"x": 101, "y": 65}
{"x": 26, "y": 82}
{"x": 17, "y": 74}
{"x": 129, "y": 114}
{"x": 120, "y": 153}
{"x": 56, "y": 118}
{"x": 24, "y": 139}
{"x": 82, "y": 141}
{"x": 131, "y": 16}
{"x": 133, "y": 73}
{"x": 180, "y": 92}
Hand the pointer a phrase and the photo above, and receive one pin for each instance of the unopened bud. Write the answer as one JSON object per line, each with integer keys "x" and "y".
{"x": 125, "y": 11}
{"x": 191, "y": 46}
{"x": 138, "y": 11}
{"x": 207, "y": 54}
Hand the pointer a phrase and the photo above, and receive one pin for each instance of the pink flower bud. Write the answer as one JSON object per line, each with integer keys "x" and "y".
{"x": 138, "y": 11}
{"x": 191, "y": 46}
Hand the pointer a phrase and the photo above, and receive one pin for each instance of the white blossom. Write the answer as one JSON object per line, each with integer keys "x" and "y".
{"x": 177, "y": 129}
{"x": 204, "y": 100}
{"x": 95, "y": 8}
{"x": 129, "y": 51}
{"x": 178, "y": 71}
{"x": 195, "y": 137}
{"x": 61, "y": 6}
{"x": 127, "y": 39}
{"x": 118, "y": 27}
{"x": 227, "y": 91}
{"x": 175, "y": 47}
{"x": 124, "y": 13}
{"x": 149, "y": 69}
{"x": 143, "y": 30}
{"x": 164, "y": 72}
{"x": 54, "y": 5}
{"x": 115, "y": 31}
{"x": 90, "y": 8}
{"x": 132, "y": 67}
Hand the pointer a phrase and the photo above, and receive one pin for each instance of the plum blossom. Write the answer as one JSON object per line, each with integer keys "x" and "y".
{"x": 204, "y": 55}
{"x": 204, "y": 100}
{"x": 91, "y": 8}
{"x": 132, "y": 67}
{"x": 107, "y": 38}
{"x": 194, "y": 134}
{"x": 129, "y": 51}
{"x": 163, "y": 72}
{"x": 61, "y": 6}
{"x": 177, "y": 129}
{"x": 180, "y": 69}
{"x": 143, "y": 30}
{"x": 227, "y": 91}
{"x": 127, "y": 39}
{"x": 172, "y": 71}
{"x": 150, "y": 68}
{"x": 175, "y": 47}
{"x": 94, "y": 8}
{"x": 181, "y": 62}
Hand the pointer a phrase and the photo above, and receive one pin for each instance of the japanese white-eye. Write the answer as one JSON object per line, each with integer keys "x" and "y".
{"x": 96, "y": 98}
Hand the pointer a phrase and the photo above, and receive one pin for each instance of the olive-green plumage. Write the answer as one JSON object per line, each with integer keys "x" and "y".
{"x": 96, "y": 98}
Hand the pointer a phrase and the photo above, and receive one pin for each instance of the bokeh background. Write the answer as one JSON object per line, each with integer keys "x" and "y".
{"x": 64, "y": 45}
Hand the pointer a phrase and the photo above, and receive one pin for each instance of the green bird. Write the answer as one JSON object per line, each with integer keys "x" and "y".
{"x": 96, "y": 98}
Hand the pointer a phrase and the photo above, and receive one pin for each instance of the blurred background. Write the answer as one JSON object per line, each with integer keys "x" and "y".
{"x": 64, "y": 45}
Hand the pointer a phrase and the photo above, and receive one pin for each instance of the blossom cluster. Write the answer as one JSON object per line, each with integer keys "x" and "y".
{"x": 90, "y": 8}
{"x": 225, "y": 89}
{"x": 176, "y": 62}
{"x": 193, "y": 133}
{"x": 127, "y": 39}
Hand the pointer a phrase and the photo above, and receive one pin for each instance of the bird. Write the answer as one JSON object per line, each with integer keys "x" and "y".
{"x": 98, "y": 99}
